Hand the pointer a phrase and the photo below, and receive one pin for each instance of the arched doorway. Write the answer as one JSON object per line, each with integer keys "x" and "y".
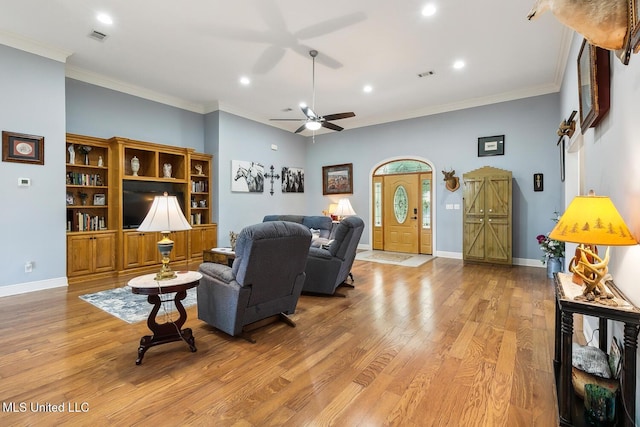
{"x": 402, "y": 214}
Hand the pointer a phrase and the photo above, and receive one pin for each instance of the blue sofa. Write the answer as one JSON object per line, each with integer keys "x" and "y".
{"x": 320, "y": 226}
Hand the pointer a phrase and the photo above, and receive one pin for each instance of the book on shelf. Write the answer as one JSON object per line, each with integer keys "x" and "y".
{"x": 90, "y": 179}
{"x": 198, "y": 186}
{"x": 86, "y": 222}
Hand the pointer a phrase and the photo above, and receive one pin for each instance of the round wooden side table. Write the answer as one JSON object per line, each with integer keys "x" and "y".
{"x": 169, "y": 331}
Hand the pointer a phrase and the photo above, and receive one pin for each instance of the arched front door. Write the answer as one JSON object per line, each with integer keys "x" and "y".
{"x": 402, "y": 207}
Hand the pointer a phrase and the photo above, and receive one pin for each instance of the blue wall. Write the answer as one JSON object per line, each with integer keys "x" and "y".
{"x": 450, "y": 141}
{"x": 103, "y": 113}
{"x": 243, "y": 139}
{"x": 33, "y": 218}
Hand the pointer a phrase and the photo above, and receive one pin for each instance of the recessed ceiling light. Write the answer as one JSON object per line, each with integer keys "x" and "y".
{"x": 245, "y": 81}
{"x": 458, "y": 64}
{"x": 367, "y": 89}
{"x": 104, "y": 18}
{"x": 429, "y": 10}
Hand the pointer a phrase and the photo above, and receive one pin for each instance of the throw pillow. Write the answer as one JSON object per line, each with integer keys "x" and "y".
{"x": 591, "y": 360}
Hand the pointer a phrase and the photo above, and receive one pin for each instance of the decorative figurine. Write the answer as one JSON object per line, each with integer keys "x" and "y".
{"x": 72, "y": 155}
{"x": 198, "y": 169}
{"x": 100, "y": 161}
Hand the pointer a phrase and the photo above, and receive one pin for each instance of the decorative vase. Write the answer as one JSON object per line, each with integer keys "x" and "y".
{"x": 135, "y": 165}
{"x": 599, "y": 405}
{"x": 554, "y": 265}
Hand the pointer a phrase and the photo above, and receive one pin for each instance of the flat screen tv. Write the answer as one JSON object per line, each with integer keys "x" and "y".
{"x": 137, "y": 197}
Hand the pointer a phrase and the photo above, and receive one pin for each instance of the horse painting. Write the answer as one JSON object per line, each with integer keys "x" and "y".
{"x": 292, "y": 180}
{"x": 253, "y": 174}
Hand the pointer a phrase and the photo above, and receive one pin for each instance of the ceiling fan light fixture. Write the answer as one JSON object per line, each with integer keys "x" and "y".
{"x": 311, "y": 125}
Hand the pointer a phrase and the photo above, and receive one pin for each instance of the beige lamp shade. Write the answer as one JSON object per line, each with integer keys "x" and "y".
{"x": 344, "y": 208}
{"x": 332, "y": 208}
{"x": 593, "y": 220}
{"x": 165, "y": 215}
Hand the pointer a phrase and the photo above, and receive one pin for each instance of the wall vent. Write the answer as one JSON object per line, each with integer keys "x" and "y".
{"x": 97, "y": 35}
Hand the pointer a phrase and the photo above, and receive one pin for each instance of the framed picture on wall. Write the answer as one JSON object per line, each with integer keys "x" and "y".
{"x": 634, "y": 24}
{"x": 593, "y": 84}
{"x": 491, "y": 146}
{"x": 247, "y": 177}
{"x": 337, "y": 179}
{"x": 22, "y": 148}
{"x": 292, "y": 180}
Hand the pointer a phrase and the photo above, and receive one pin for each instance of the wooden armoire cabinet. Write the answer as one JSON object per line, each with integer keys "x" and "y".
{"x": 487, "y": 222}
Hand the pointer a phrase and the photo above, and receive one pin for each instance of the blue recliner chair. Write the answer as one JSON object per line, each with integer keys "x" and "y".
{"x": 329, "y": 266}
{"x": 266, "y": 278}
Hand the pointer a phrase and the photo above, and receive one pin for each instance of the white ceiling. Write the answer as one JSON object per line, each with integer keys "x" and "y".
{"x": 191, "y": 53}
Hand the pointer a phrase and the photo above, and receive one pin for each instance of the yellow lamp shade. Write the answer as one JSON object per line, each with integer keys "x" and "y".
{"x": 592, "y": 220}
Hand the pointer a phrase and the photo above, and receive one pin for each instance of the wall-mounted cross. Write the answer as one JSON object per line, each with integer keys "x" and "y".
{"x": 271, "y": 176}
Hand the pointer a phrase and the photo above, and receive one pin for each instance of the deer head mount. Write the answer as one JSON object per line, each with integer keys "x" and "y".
{"x": 451, "y": 182}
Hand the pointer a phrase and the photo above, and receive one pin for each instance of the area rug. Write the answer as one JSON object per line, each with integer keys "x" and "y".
{"x": 383, "y": 257}
{"x": 130, "y": 307}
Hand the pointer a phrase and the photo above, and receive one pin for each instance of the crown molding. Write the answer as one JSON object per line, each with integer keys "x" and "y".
{"x": 563, "y": 54}
{"x": 37, "y": 48}
{"x": 101, "y": 80}
{"x": 462, "y": 105}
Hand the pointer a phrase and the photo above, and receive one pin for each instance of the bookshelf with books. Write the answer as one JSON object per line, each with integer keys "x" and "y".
{"x": 204, "y": 233}
{"x": 90, "y": 234}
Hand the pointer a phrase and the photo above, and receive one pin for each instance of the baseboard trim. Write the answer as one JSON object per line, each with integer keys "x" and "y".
{"x": 444, "y": 254}
{"x": 23, "y": 288}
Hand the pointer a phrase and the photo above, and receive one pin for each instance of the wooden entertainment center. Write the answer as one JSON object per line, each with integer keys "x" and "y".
{"x": 102, "y": 240}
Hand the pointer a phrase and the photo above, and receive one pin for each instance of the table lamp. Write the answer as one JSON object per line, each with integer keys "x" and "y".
{"x": 330, "y": 210}
{"x": 589, "y": 221}
{"x": 344, "y": 209}
{"x": 165, "y": 216}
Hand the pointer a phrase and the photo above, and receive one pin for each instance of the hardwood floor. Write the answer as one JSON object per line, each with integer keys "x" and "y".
{"x": 438, "y": 345}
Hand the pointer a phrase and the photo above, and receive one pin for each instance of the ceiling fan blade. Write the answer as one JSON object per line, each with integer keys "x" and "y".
{"x": 329, "y": 26}
{"x": 309, "y": 113}
{"x": 288, "y": 120}
{"x": 331, "y": 126}
{"x": 339, "y": 116}
{"x": 271, "y": 14}
{"x": 301, "y": 128}
{"x": 269, "y": 58}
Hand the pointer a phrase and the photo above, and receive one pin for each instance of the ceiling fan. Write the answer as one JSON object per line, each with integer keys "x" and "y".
{"x": 313, "y": 121}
